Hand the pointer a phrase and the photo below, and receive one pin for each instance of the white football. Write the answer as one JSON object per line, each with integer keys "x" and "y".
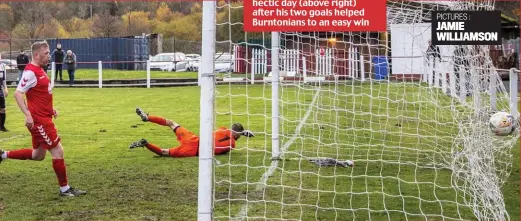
{"x": 502, "y": 123}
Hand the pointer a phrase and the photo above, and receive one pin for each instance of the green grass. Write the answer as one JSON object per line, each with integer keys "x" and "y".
{"x": 399, "y": 149}
{"x": 97, "y": 125}
{"x": 113, "y": 74}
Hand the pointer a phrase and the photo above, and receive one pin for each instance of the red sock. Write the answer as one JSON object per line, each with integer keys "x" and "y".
{"x": 155, "y": 149}
{"x": 61, "y": 172}
{"x": 157, "y": 120}
{"x": 23, "y": 154}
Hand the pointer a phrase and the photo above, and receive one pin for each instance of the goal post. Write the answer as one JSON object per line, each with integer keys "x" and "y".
{"x": 207, "y": 103}
{"x": 416, "y": 129}
{"x": 275, "y": 114}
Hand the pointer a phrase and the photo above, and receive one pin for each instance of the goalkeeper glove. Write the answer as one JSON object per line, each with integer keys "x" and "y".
{"x": 248, "y": 133}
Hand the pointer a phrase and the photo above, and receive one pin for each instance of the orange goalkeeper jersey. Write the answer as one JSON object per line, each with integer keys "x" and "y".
{"x": 224, "y": 141}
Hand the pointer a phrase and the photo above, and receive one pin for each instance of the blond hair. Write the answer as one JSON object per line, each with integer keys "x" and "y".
{"x": 38, "y": 45}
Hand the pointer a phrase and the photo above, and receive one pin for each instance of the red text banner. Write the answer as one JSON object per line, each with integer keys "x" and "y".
{"x": 314, "y": 15}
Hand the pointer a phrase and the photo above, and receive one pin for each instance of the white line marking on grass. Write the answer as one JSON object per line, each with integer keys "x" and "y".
{"x": 10, "y": 138}
{"x": 275, "y": 163}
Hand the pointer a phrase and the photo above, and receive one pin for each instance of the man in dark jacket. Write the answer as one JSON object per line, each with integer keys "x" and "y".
{"x": 461, "y": 60}
{"x": 22, "y": 60}
{"x": 434, "y": 52}
{"x": 59, "y": 55}
{"x": 3, "y": 94}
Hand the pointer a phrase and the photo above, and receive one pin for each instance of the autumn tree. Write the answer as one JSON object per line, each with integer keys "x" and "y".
{"x": 166, "y": 27}
{"x": 77, "y": 27}
{"x": 137, "y": 22}
{"x": 181, "y": 6}
{"x": 196, "y": 8}
{"x": 54, "y": 29}
{"x": 234, "y": 29}
{"x": 163, "y": 13}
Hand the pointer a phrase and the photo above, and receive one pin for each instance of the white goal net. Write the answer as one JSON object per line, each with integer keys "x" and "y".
{"x": 416, "y": 129}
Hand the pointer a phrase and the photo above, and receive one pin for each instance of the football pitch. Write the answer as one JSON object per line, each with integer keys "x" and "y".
{"x": 97, "y": 125}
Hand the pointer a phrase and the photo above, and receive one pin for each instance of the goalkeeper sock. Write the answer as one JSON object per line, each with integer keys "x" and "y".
{"x": 155, "y": 149}
{"x": 23, "y": 154}
{"x": 157, "y": 120}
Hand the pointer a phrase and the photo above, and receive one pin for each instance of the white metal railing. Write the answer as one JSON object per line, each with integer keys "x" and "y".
{"x": 450, "y": 83}
{"x": 100, "y": 73}
{"x": 447, "y": 81}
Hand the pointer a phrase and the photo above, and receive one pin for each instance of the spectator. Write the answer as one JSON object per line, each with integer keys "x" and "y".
{"x": 433, "y": 51}
{"x": 510, "y": 60}
{"x": 461, "y": 68}
{"x": 70, "y": 60}
{"x": 3, "y": 94}
{"x": 516, "y": 60}
{"x": 59, "y": 55}
{"x": 22, "y": 60}
{"x": 47, "y": 67}
{"x": 502, "y": 66}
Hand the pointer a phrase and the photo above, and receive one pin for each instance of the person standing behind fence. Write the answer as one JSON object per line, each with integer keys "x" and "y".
{"x": 21, "y": 60}
{"x": 462, "y": 69}
{"x": 3, "y": 94}
{"x": 70, "y": 60}
{"x": 434, "y": 52}
{"x": 47, "y": 67}
{"x": 59, "y": 55}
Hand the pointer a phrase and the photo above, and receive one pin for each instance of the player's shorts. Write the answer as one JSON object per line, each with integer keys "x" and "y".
{"x": 45, "y": 135}
{"x": 189, "y": 144}
{"x": 2, "y": 102}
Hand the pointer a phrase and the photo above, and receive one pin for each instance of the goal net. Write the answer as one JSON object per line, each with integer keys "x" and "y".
{"x": 415, "y": 125}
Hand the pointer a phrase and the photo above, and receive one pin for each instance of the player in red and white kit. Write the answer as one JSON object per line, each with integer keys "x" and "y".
{"x": 39, "y": 111}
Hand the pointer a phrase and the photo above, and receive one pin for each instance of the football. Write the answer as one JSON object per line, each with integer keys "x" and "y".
{"x": 502, "y": 123}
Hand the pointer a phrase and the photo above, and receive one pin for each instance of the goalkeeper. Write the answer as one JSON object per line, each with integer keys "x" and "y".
{"x": 189, "y": 142}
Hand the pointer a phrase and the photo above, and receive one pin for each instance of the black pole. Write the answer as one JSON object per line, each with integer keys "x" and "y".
{"x": 10, "y": 49}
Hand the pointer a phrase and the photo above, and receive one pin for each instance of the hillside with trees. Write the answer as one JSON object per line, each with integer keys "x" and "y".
{"x": 24, "y": 22}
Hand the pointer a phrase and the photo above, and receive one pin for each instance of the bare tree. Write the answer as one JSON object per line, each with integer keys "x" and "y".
{"x": 106, "y": 25}
{"x": 31, "y": 25}
{"x": 7, "y": 18}
{"x": 34, "y": 20}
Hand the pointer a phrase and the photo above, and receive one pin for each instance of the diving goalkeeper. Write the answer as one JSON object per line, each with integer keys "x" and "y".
{"x": 188, "y": 141}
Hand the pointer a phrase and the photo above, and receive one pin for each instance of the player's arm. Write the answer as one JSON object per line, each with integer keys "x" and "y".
{"x": 27, "y": 82}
